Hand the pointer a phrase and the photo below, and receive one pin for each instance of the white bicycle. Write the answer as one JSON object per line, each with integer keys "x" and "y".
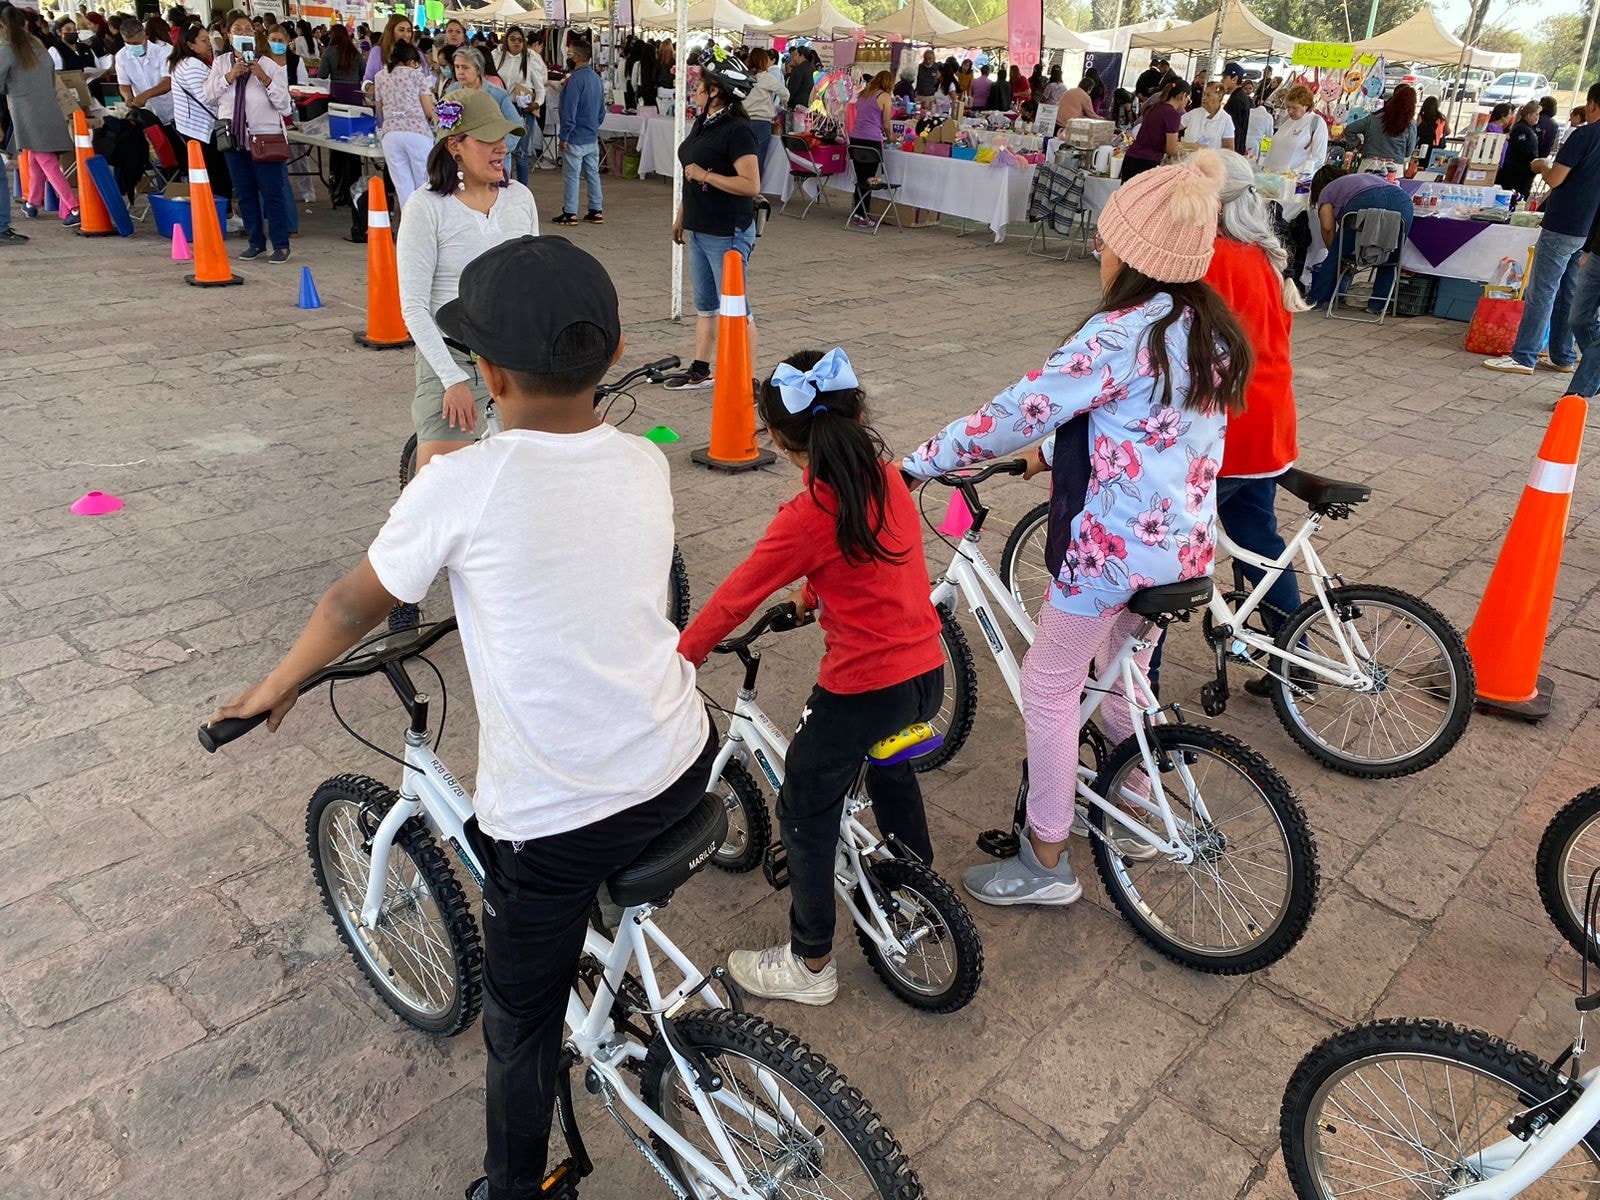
{"x": 913, "y": 927}
{"x": 1201, "y": 844}
{"x": 1405, "y": 1109}
{"x": 1367, "y": 680}
{"x": 733, "y": 1106}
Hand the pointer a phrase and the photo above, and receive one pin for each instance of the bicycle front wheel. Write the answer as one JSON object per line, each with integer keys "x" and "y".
{"x": 678, "y": 591}
{"x": 958, "y": 708}
{"x": 799, "y": 1129}
{"x": 1401, "y": 1108}
{"x": 424, "y": 958}
{"x": 944, "y": 961}
{"x": 749, "y": 823}
{"x": 1022, "y": 562}
{"x": 1246, "y": 897}
{"x": 408, "y": 462}
{"x": 1569, "y": 852}
{"x": 1421, "y": 691}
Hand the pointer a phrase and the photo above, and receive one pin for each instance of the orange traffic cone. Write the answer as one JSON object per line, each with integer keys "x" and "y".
{"x": 24, "y": 171}
{"x": 93, "y": 219}
{"x": 733, "y": 404}
{"x": 210, "y": 252}
{"x": 1506, "y": 640}
{"x": 386, "y": 328}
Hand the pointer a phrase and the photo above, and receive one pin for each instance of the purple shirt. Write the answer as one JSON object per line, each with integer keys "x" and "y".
{"x": 1151, "y": 144}
{"x": 1346, "y": 188}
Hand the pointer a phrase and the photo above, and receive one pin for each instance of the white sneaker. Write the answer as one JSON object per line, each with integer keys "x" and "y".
{"x": 1508, "y": 365}
{"x": 776, "y": 974}
{"x": 1548, "y": 365}
{"x": 235, "y": 224}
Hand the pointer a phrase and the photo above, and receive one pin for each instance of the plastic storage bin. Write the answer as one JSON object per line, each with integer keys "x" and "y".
{"x": 1417, "y": 295}
{"x": 170, "y": 211}
{"x": 1457, "y": 299}
{"x": 967, "y": 152}
{"x": 831, "y": 159}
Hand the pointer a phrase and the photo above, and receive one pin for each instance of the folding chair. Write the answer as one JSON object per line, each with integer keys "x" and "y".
{"x": 1375, "y": 257}
{"x": 871, "y": 157}
{"x": 1056, "y": 203}
{"x": 802, "y": 170}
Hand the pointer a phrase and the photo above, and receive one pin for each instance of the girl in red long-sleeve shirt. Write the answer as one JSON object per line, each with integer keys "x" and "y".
{"x": 853, "y": 535}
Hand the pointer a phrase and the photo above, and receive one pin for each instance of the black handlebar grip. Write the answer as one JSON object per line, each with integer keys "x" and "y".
{"x": 227, "y": 729}
{"x": 670, "y": 363}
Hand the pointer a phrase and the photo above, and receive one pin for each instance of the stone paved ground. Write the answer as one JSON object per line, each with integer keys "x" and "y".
{"x": 176, "y": 1015}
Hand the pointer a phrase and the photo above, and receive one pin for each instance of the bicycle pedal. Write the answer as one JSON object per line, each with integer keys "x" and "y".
{"x": 775, "y": 866}
{"x": 561, "y": 1183}
{"x": 1213, "y": 698}
{"x": 1000, "y": 843}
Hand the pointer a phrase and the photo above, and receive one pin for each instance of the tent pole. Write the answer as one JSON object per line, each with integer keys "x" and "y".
{"x": 680, "y": 93}
{"x": 1216, "y": 37}
{"x": 1583, "y": 59}
{"x": 1372, "y": 19}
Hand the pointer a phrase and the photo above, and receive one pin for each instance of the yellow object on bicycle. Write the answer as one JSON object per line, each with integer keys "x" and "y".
{"x": 912, "y": 735}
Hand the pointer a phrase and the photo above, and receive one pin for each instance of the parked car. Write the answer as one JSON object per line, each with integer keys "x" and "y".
{"x": 1514, "y": 86}
{"x": 1470, "y": 86}
{"x": 1253, "y": 67}
{"x": 1425, "y": 79}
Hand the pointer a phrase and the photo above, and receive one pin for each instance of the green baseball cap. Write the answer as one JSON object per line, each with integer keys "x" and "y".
{"x": 474, "y": 114}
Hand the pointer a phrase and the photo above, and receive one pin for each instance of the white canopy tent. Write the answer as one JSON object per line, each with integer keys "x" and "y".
{"x": 1421, "y": 38}
{"x": 1242, "y": 32}
{"x": 997, "y": 32}
{"x": 818, "y": 20}
{"x": 709, "y": 14}
{"x": 509, "y": 11}
{"x": 918, "y": 21}
{"x": 600, "y": 14}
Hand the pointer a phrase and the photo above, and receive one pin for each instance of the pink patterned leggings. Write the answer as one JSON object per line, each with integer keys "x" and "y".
{"x": 1053, "y": 675}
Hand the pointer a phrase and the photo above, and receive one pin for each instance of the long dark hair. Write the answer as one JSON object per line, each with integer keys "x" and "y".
{"x": 1397, "y": 114}
{"x": 442, "y": 177}
{"x": 24, "y": 45}
{"x": 499, "y": 66}
{"x": 184, "y": 49}
{"x": 345, "y": 55}
{"x": 1429, "y": 113}
{"x": 1220, "y": 357}
{"x": 846, "y": 453}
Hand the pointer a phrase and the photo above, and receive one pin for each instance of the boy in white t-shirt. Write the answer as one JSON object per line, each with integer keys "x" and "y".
{"x": 557, "y": 535}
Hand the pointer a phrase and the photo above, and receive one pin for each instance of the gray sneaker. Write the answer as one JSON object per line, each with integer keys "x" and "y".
{"x": 1023, "y": 880}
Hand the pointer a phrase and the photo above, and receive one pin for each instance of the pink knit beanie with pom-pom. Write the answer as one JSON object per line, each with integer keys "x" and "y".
{"x": 1164, "y": 222}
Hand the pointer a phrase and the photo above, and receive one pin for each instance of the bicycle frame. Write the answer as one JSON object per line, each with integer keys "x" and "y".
{"x": 978, "y": 583}
{"x": 430, "y": 789}
{"x": 752, "y": 735}
{"x": 1344, "y": 674}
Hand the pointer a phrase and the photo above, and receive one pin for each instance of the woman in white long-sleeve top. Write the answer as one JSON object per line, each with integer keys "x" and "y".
{"x": 466, "y": 207}
{"x": 253, "y": 95}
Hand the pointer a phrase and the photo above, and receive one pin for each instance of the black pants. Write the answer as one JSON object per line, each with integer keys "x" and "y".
{"x": 1132, "y": 167}
{"x": 863, "y": 174}
{"x": 827, "y": 751}
{"x": 537, "y": 897}
{"x": 216, "y": 165}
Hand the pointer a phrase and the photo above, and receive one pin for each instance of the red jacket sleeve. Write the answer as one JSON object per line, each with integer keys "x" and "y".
{"x": 793, "y": 546}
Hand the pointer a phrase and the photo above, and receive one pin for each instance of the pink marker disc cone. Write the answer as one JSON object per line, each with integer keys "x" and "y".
{"x": 957, "y": 518}
{"x": 96, "y": 504}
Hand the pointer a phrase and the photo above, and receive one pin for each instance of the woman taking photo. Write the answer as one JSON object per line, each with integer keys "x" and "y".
{"x": 721, "y": 178}
{"x": 1388, "y": 136}
{"x": 524, "y": 75}
{"x": 874, "y": 107}
{"x": 405, "y": 106}
{"x": 28, "y": 86}
{"x": 195, "y": 119}
{"x": 465, "y": 208}
{"x": 1301, "y": 142}
{"x": 1158, "y": 132}
{"x": 255, "y": 98}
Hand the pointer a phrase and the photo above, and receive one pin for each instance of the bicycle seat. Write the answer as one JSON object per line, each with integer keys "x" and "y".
{"x": 676, "y": 853}
{"x": 1169, "y": 599}
{"x": 911, "y": 742}
{"x": 1320, "y": 492}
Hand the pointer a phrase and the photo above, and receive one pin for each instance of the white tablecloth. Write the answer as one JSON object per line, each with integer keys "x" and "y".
{"x": 957, "y": 187}
{"x": 1478, "y": 259}
{"x": 658, "y": 155}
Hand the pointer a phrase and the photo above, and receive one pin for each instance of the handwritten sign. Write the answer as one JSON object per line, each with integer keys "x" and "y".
{"x": 1335, "y": 56}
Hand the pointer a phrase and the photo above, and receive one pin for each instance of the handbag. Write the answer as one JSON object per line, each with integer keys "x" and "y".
{"x": 1493, "y": 331}
{"x": 269, "y": 148}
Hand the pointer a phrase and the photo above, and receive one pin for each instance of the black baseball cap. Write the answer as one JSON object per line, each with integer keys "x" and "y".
{"x": 516, "y": 300}
{"x": 1233, "y": 69}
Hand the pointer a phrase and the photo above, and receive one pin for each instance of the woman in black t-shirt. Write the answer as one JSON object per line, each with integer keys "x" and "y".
{"x": 721, "y": 179}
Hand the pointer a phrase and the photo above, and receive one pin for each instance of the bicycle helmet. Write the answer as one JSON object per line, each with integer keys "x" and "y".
{"x": 727, "y": 72}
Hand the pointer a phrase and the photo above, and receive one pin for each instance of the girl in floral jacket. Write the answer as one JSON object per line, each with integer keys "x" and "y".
{"x": 1137, "y": 401}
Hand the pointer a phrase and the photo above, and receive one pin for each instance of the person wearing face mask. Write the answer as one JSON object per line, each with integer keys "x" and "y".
{"x": 250, "y": 90}
{"x": 75, "y": 68}
{"x": 455, "y": 37}
{"x": 280, "y": 49}
{"x": 188, "y": 65}
{"x": 143, "y": 79}
{"x": 466, "y": 208}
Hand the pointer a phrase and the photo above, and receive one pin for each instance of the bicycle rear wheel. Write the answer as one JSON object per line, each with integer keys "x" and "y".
{"x": 795, "y": 1123}
{"x": 424, "y": 959}
{"x": 1400, "y": 1109}
{"x": 1022, "y": 562}
{"x": 749, "y": 822}
{"x": 959, "y": 706}
{"x": 678, "y": 602}
{"x": 1569, "y": 852}
{"x": 408, "y": 462}
{"x": 1247, "y": 896}
{"x": 1422, "y": 692}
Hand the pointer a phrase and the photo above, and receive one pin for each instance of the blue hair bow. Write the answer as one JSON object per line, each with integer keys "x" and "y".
{"x": 799, "y": 389}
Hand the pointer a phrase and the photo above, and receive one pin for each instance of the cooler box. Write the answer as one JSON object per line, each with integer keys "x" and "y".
{"x": 170, "y": 211}
{"x": 831, "y": 159}
{"x": 349, "y": 121}
{"x": 1457, "y": 299}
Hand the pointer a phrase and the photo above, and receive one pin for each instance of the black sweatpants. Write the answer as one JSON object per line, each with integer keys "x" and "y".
{"x": 835, "y": 733}
{"x": 537, "y": 896}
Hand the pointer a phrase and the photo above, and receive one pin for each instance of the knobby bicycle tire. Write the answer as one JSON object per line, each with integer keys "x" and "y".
{"x": 751, "y": 806}
{"x": 903, "y": 873}
{"x": 961, "y": 689}
{"x": 1553, "y": 867}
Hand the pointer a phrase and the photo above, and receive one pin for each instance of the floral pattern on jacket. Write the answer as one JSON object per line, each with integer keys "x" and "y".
{"x": 1147, "y": 510}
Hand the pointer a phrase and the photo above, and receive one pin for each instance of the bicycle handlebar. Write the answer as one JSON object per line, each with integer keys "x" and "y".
{"x": 964, "y": 479}
{"x": 649, "y": 371}
{"x": 780, "y": 618}
{"x": 391, "y": 650}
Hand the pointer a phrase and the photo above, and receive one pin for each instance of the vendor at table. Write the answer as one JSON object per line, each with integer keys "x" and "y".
{"x": 1335, "y": 194}
{"x": 1207, "y": 125}
{"x": 1158, "y": 132}
{"x": 1522, "y": 147}
{"x": 1388, "y": 135}
{"x": 1076, "y": 103}
{"x": 1302, "y": 137}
